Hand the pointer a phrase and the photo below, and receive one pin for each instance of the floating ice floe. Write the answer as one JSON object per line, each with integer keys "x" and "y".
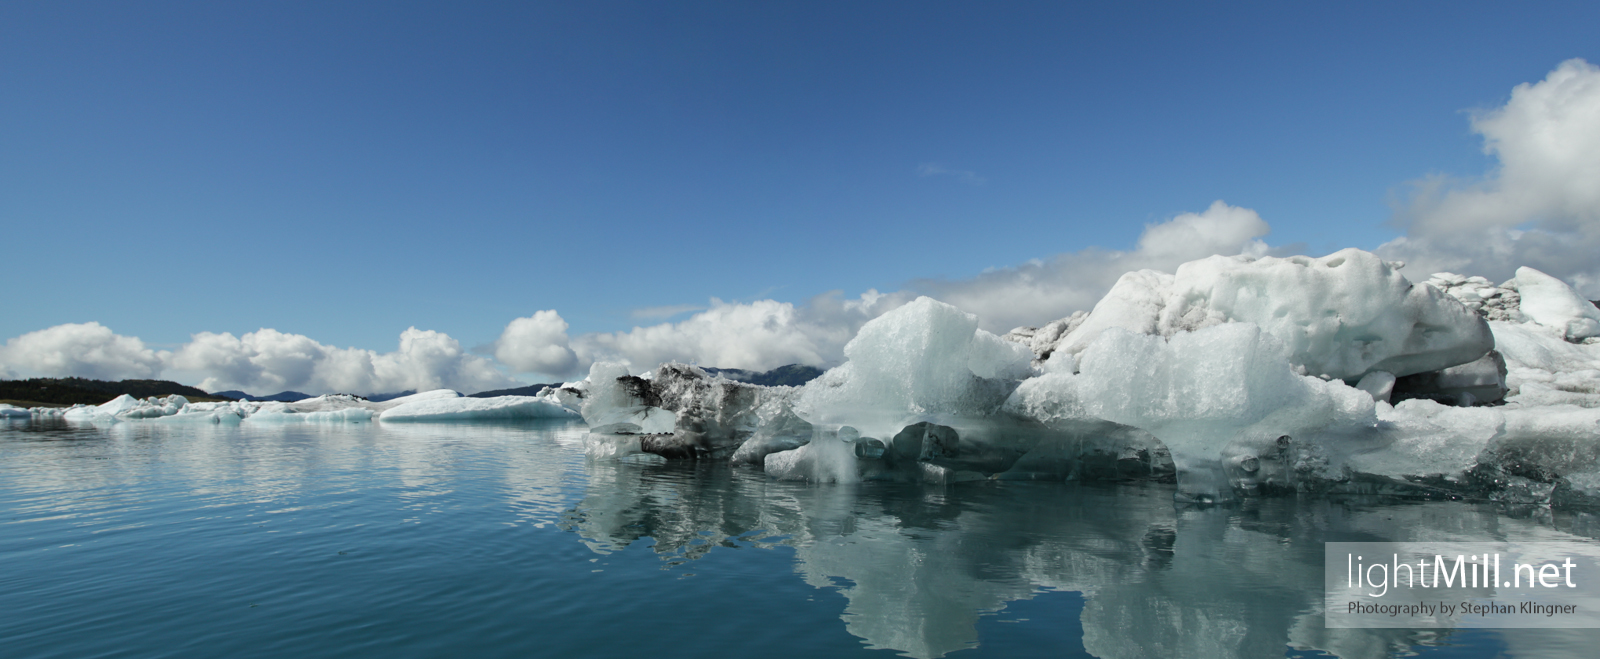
{"x": 126, "y": 407}
{"x": 436, "y": 405}
{"x": 476, "y": 409}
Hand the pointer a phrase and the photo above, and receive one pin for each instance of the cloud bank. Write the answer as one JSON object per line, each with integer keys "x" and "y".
{"x": 260, "y": 362}
{"x": 759, "y": 335}
{"x": 267, "y": 360}
{"x": 1041, "y": 291}
{"x": 1540, "y": 207}
{"x": 89, "y": 350}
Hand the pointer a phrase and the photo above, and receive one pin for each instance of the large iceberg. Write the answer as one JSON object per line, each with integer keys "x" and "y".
{"x": 1233, "y": 376}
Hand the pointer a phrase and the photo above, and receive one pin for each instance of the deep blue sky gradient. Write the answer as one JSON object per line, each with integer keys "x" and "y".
{"x": 347, "y": 170}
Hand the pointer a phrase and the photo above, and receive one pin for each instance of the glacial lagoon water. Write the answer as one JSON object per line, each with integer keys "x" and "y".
{"x": 480, "y": 540}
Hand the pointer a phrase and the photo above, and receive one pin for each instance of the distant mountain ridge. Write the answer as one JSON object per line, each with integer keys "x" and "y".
{"x": 530, "y": 390}
{"x": 792, "y": 375}
{"x": 281, "y": 397}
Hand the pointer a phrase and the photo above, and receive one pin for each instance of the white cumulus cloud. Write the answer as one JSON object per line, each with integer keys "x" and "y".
{"x": 537, "y": 344}
{"x": 759, "y": 335}
{"x": 1540, "y": 207}
{"x": 88, "y": 350}
{"x": 268, "y": 361}
{"x": 765, "y": 334}
{"x": 1041, "y": 291}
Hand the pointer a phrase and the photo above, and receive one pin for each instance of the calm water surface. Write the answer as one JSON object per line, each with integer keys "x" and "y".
{"x": 395, "y": 541}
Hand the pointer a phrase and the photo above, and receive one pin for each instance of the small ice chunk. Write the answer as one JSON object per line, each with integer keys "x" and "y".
{"x": 1423, "y": 438}
{"x": 1483, "y": 380}
{"x": 1380, "y": 384}
{"x": 816, "y": 462}
{"x": 606, "y": 446}
{"x": 925, "y": 358}
{"x": 1544, "y": 369}
{"x": 1134, "y": 303}
{"x": 1551, "y": 302}
{"x": 616, "y": 397}
{"x": 869, "y": 448}
{"x": 118, "y": 405}
{"x": 783, "y": 432}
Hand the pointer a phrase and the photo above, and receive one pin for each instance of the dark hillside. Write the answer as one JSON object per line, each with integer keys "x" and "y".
{"x": 72, "y": 391}
{"x": 282, "y": 396}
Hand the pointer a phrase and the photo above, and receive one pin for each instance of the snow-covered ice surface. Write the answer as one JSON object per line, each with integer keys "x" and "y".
{"x": 1343, "y": 315}
{"x": 1550, "y": 302}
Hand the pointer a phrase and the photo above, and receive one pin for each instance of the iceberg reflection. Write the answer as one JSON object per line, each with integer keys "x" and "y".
{"x": 920, "y": 565}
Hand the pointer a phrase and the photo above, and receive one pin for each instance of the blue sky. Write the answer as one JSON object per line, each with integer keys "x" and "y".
{"x": 345, "y": 171}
